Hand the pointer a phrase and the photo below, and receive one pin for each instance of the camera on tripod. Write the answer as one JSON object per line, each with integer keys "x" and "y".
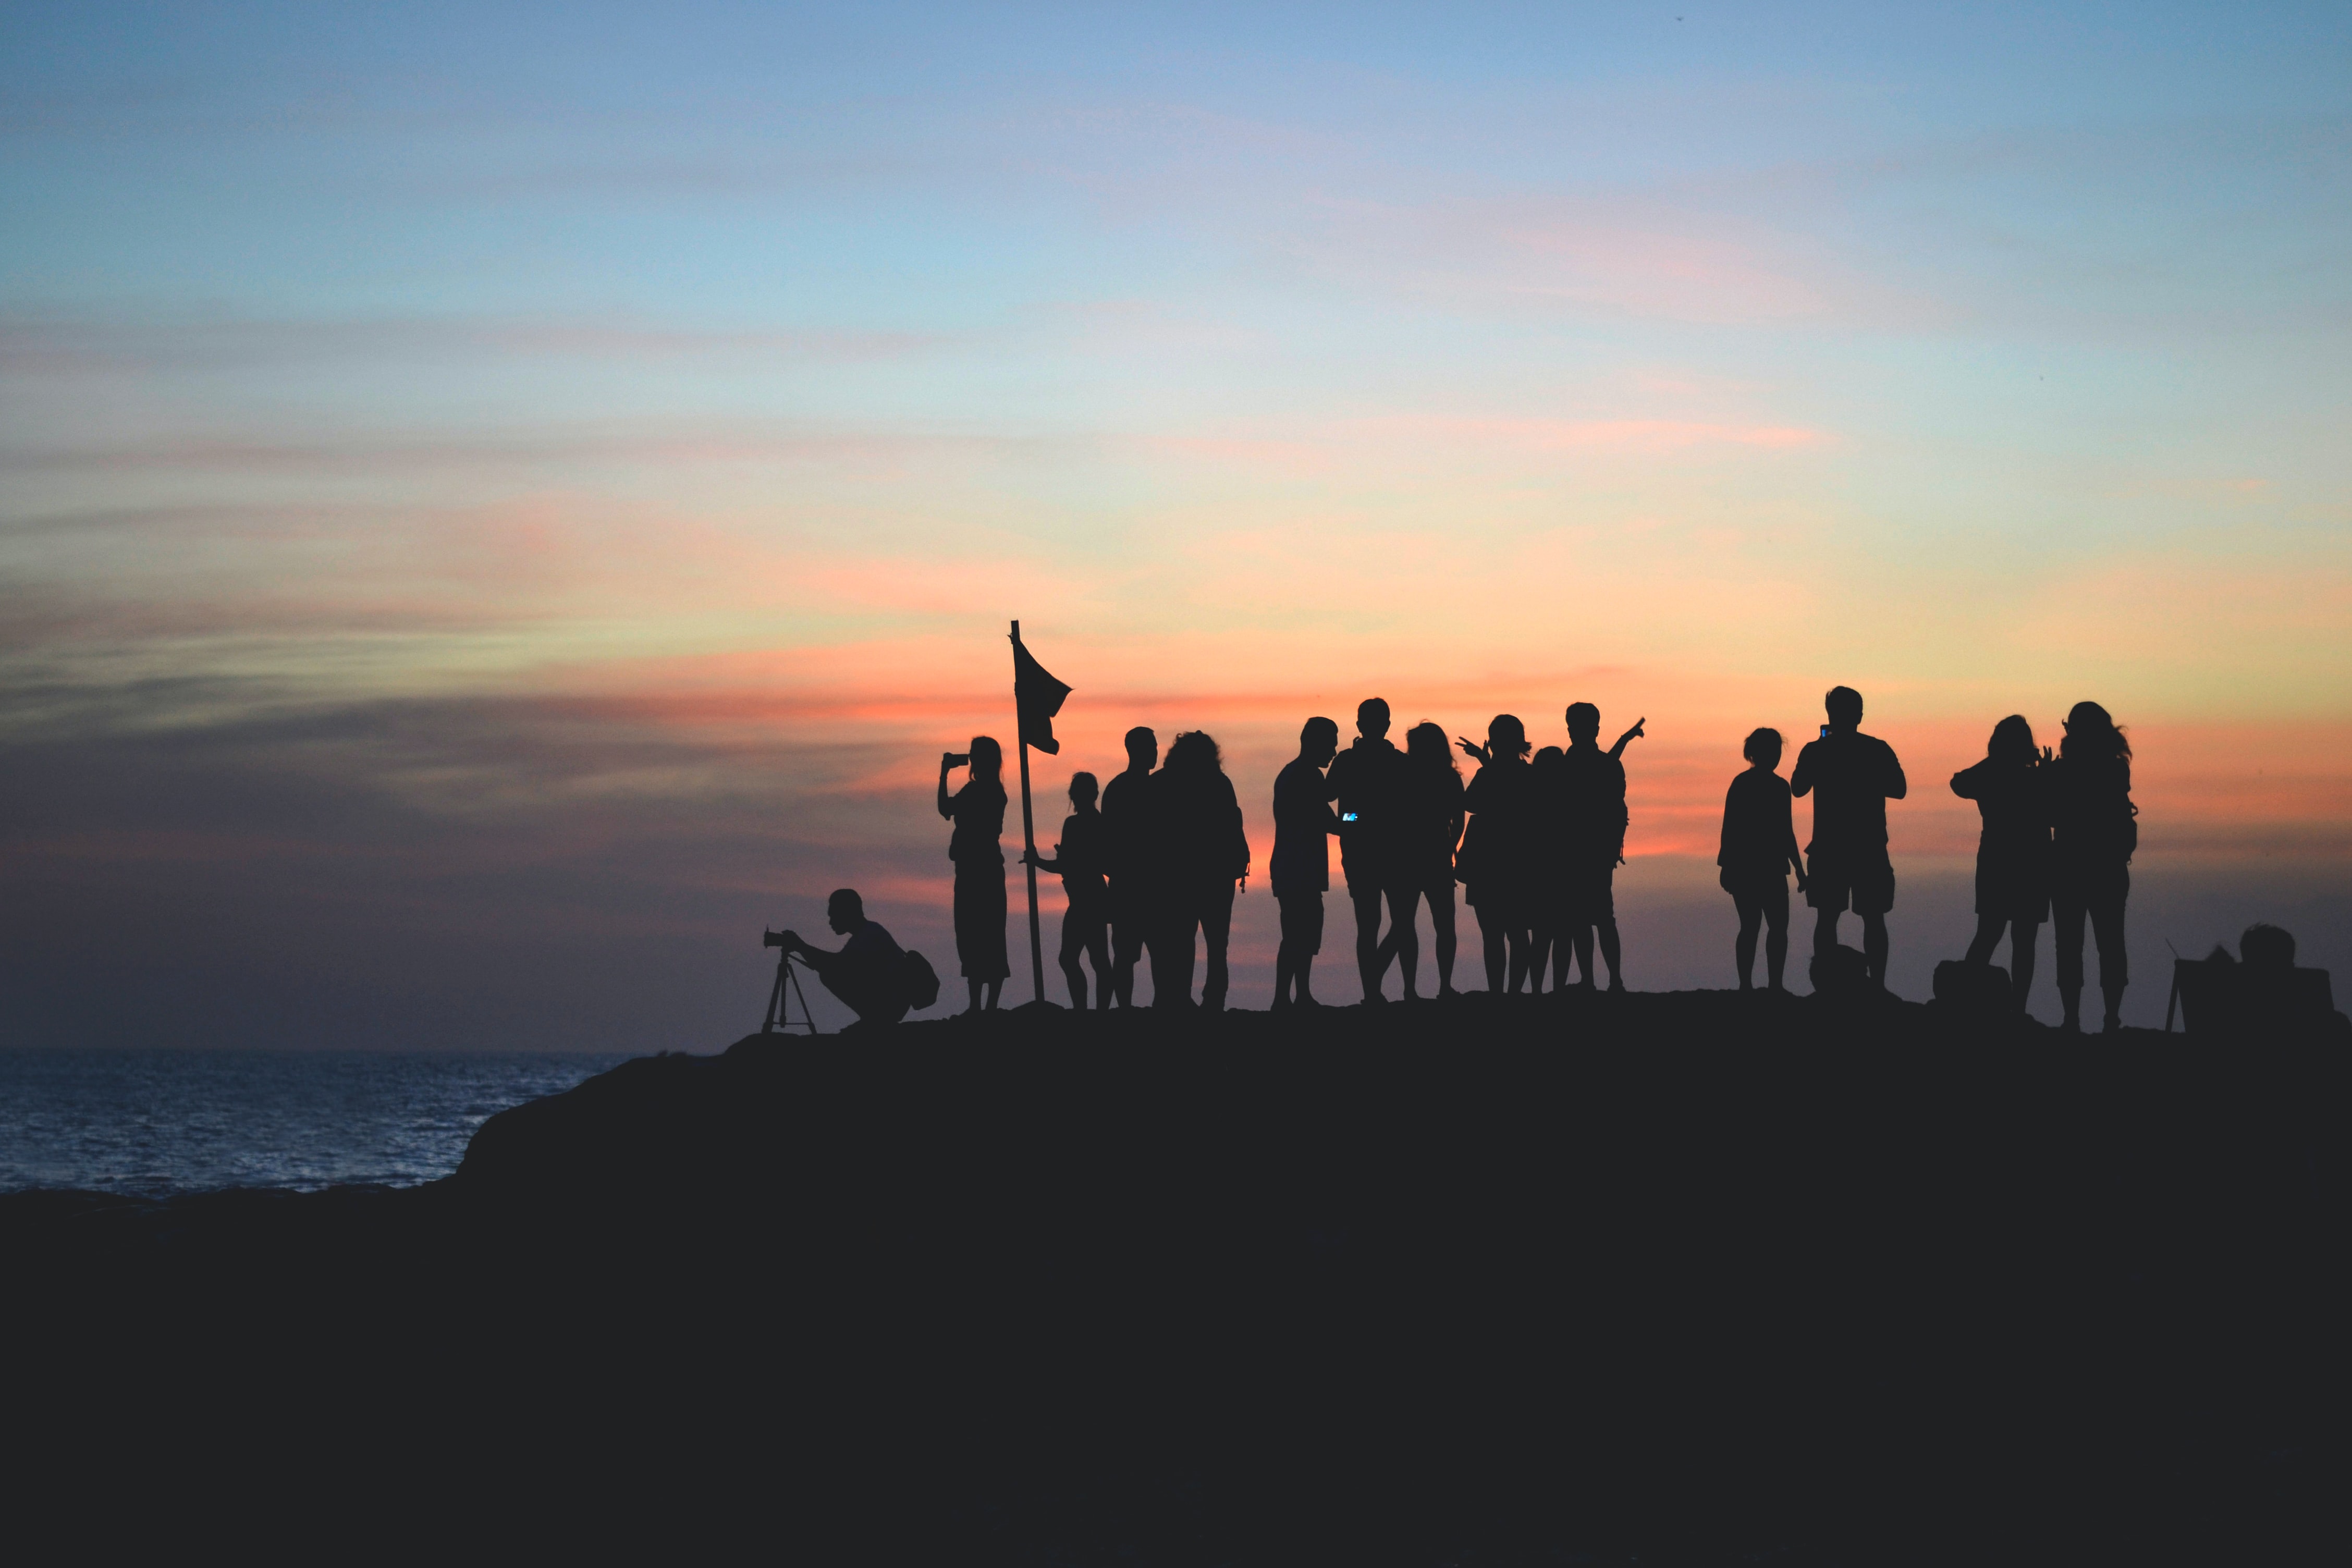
{"x": 787, "y": 988}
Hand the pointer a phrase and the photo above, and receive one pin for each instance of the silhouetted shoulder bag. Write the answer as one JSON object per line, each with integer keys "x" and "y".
{"x": 922, "y": 981}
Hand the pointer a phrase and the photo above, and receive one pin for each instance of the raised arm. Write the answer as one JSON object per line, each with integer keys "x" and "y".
{"x": 1800, "y": 777}
{"x": 1965, "y": 782}
{"x": 1629, "y": 737}
{"x": 947, "y": 806}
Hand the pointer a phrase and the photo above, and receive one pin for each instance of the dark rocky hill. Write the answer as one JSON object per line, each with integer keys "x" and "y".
{"x": 1676, "y": 1277}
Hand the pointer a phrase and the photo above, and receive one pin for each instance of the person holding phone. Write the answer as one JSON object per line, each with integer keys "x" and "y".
{"x": 1851, "y": 777}
{"x": 1367, "y": 780}
{"x": 978, "y": 812}
{"x": 1301, "y": 869}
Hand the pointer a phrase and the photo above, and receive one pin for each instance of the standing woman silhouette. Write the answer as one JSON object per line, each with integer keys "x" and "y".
{"x": 1497, "y": 850}
{"x": 1758, "y": 847}
{"x": 1207, "y": 855}
{"x": 2013, "y": 851}
{"x": 1431, "y": 804}
{"x": 2091, "y": 808}
{"x": 978, "y": 812}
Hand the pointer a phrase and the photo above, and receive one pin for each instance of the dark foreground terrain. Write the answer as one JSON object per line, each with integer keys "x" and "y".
{"x": 1697, "y": 1277}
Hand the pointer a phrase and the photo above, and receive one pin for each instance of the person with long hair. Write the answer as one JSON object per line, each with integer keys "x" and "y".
{"x": 978, "y": 812}
{"x": 2012, "y": 850}
{"x": 1086, "y": 914}
{"x": 1493, "y": 861}
{"x": 1430, "y": 808}
{"x": 2096, "y": 831}
{"x": 1758, "y": 847}
{"x": 1206, "y": 852}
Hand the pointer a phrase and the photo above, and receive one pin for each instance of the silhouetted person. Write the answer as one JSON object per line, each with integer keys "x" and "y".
{"x": 1429, "y": 827}
{"x": 1494, "y": 864}
{"x": 1301, "y": 868}
{"x": 2090, "y": 855}
{"x": 2012, "y": 851}
{"x": 1547, "y": 896}
{"x": 1593, "y": 820}
{"x": 1758, "y": 850}
{"x": 978, "y": 812}
{"x": 1206, "y": 852}
{"x": 1086, "y": 915}
{"x": 2267, "y": 951}
{"x": 1851, "y": 777}
{"x": 1367, "y": 780}
{"x": 869, "y": 973}
{"x": 1131, "y": 861}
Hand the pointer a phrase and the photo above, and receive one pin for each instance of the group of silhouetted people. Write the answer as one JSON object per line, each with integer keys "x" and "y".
{"x": 1150, "y": 861}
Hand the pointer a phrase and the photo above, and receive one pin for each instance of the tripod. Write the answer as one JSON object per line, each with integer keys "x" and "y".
{"x": 786, "y": 991}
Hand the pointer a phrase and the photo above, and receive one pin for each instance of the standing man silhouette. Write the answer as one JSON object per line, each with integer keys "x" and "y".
{"x": 1851, "y": 777}
{"x": 1303, "y": 826}
{"x": 1130, "y": 859}
{"x": 1593, "y": 840}
{"x": 1368, "y": 781}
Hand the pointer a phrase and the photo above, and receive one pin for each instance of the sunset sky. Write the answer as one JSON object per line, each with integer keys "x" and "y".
{"x": 500, "y": 503}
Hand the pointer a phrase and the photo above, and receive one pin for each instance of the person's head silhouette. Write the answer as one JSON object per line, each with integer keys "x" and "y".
{"x": 1583, "y": 723}
{"x": 1505, "y": 736}
{"x": 1083, "y": 790}
{"x": 1318, "y": 741}
{"x": 1763, "y": 748}
{"x": 1142, "y": 749}
{"x": 1425, "y": 741}
{"x": 1371, "y": 718}
{"x": 1195, "y": 753}
{"x": 2092, "y": 734}
{"x": 1843, "y": 705}
{"x": 987, "y": 758}
{"x": 2266, "y": 947}
{"x": 844, "y": 912}
{"x": 2012, "y": 741}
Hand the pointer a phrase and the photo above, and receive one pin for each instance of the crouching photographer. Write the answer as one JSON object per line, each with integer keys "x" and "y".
{"x": 877, "y": 980}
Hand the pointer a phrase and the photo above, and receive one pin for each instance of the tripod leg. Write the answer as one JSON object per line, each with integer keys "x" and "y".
{"x": 776, "y": 996}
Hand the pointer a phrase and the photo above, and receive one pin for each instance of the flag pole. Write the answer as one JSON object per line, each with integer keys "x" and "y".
{"x": 1028, "y": 833}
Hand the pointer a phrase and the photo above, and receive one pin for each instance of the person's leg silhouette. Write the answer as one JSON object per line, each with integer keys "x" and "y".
{"x": 1874, "y": 946}
{"x": 1368, "y": 901}
{"x": 1403, "y": 941}
{"x": 2022, "y": 936}
{"x": 1215, "y": 919}
{"x": 2066, "y": 939}
{"x": 2106, "y": 914}
{"x": 1743, "y": 947}
{"x": 1440, "y": 918}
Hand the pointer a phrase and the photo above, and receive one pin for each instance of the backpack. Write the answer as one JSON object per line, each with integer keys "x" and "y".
{"x": 922, "y": 982}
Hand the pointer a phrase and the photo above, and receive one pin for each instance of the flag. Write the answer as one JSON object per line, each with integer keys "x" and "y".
{"x": 1039, "y": 697}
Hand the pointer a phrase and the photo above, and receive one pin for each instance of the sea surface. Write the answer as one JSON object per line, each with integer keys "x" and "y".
{"x": 156, "y": 1123}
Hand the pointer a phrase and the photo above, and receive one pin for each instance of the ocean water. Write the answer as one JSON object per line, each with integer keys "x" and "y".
{"x": 156, "y": 1123}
